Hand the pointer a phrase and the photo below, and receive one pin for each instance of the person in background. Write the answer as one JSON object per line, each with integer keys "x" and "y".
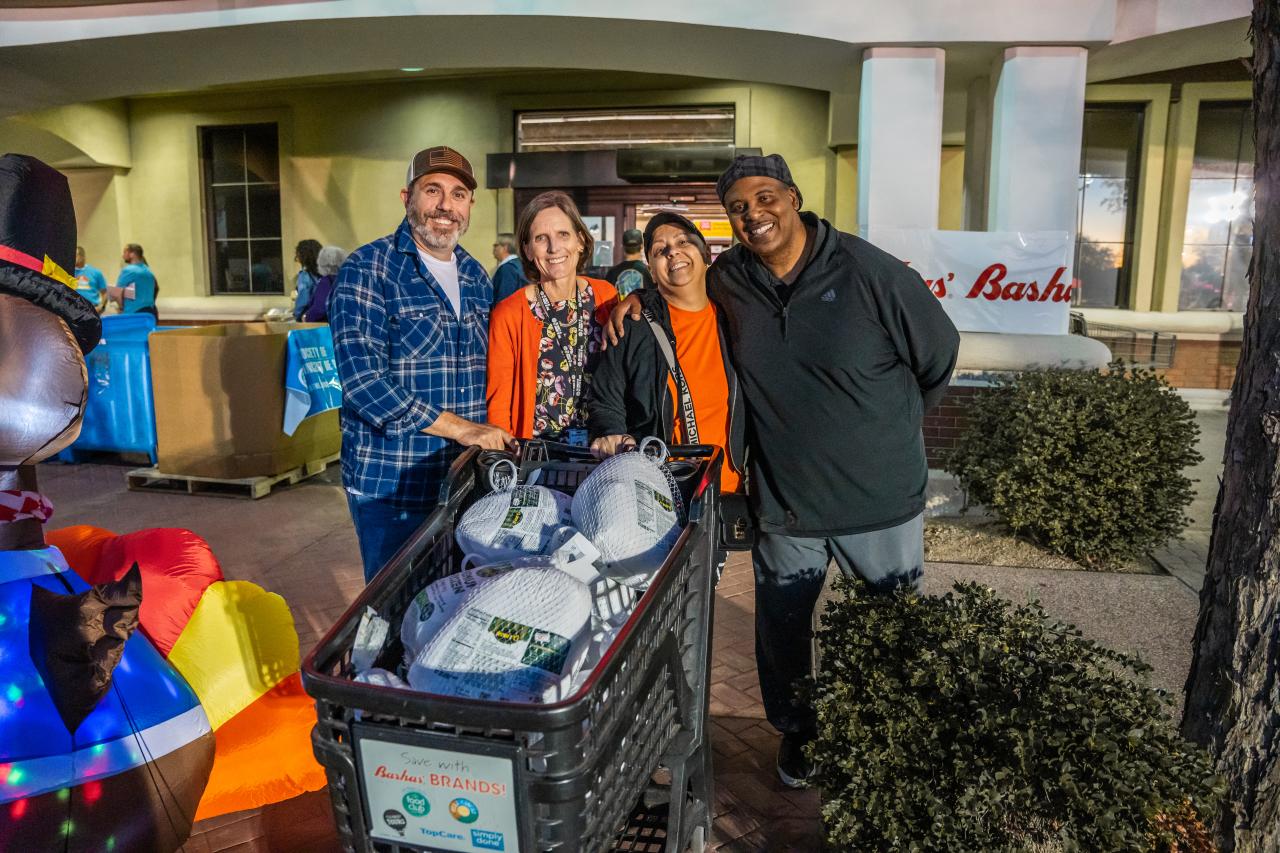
{"x": 328, "y": 262}
{"x": 545, "y": 337}
{"x": 305, "y": 257}
{"x": 90, "y": 282}
{"x": 508, "y": 275}
{"x": 136, "y": 289}
{"x": 840, "y": 348}
{"x": 410, "y": 321}
{"x": 632, "y": 273}
{"x": 637, "y": 392}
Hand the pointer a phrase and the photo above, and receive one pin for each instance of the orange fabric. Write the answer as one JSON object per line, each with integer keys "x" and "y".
{"x": 698, "y": 352}
{"x": 82, "y": 546}
{"x": 514, "y": 334}
{"x": 177, "y": 567}
{"x": 264, "y": 753}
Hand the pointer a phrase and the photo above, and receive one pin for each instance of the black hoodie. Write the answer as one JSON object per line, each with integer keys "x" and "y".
{"x": 836, "y": 383}
{"x": 628, "y": 394}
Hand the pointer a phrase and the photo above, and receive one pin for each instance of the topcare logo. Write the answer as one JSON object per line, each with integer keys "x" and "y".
{"x": 991, "y": 285}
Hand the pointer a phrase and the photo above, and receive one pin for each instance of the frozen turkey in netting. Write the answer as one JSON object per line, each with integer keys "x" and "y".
{"x": 381, "y": 678}
{"x": 515, "y": 523}
{"x": 631, "y": 510}
{"x": 435, "y": 603}
{"x": 518, "y": 637}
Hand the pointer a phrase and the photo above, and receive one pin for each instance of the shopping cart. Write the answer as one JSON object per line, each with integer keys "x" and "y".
{"x": 559, "y": 777}
{"x": 1135, "y": 347}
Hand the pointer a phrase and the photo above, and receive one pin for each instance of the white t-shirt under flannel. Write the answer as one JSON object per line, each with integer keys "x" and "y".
{"x": 446, "y": 275}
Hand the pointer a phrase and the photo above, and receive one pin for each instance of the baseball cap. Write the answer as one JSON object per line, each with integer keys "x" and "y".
{"x": 669, "y": 217}
{"x": 441, "y": 158}
{"x": 755, "y": 166}
{"x": 632, "y": 238}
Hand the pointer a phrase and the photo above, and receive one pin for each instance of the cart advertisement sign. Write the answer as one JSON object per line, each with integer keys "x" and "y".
{"x": 439, "y": 800}
{"x": 991, "y": 281}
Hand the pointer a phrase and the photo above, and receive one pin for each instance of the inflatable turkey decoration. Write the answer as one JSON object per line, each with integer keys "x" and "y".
{"x": 122, "y": 679}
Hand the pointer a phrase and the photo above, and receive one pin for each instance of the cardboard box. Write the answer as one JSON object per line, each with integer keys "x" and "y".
{"x": 219, "y": 400}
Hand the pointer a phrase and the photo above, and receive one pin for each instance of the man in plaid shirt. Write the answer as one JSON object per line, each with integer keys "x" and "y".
{"x": 410, "y": 320}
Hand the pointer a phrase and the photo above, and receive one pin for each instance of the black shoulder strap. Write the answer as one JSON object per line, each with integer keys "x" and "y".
{"x": 686, "y": 397}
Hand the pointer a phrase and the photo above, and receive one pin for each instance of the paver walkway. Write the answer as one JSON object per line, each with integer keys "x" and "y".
{"x": 299, "y": 542}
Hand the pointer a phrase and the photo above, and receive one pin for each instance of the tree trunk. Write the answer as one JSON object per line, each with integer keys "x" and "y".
{"x": 1233, "y": 690}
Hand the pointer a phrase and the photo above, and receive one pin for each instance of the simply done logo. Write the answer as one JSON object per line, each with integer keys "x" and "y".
{"x": 463, "y": 810}
{"x": 416, "y": 804}
{"x": 487, "y": 839}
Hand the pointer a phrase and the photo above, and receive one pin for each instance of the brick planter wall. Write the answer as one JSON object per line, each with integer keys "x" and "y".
{"x": 1196, "y": 364}
{"x": 943, "y": 424}
{"x": 1203, "y": 364}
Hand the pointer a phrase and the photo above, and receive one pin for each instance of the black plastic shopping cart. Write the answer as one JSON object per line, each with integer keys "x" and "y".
{"x": 415, "y": 771}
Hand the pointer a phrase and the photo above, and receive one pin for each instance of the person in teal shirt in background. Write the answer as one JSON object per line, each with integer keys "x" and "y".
{"x": 136, "y": 287}
{"x": 90, "y": 282}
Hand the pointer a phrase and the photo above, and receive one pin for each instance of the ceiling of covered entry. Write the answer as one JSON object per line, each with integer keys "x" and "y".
{"x": 54, "y": 56}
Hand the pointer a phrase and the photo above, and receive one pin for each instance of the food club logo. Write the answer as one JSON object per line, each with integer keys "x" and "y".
{"x": 416, "y": 804}
{"x": 463, "y": 810}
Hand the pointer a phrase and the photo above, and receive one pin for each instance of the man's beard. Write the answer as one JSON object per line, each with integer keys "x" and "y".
{"x": 425, "y": 232}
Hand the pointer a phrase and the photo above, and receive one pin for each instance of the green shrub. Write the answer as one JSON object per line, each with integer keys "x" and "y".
{"x": 1087, "y": 464}
{"x": 962, "y": 723}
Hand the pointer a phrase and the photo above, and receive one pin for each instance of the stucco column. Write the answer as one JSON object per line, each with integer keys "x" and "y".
{"x": 977, "y": 153}
{"x": 1036, "y": 127}
{"x": 900, "y": 137}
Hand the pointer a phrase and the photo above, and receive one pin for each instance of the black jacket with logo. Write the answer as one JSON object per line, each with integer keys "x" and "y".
{"x": 836, "y": 383}
{"x": 628, "y": 394}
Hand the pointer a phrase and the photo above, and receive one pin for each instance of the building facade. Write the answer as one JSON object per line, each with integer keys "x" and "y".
{"x": 219, "y": 135}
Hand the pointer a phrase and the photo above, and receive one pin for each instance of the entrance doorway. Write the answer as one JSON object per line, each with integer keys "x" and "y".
{"x": 608, "y": 211}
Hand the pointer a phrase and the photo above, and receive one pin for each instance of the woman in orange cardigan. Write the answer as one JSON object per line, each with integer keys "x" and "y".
{"x": 544, "y": 339}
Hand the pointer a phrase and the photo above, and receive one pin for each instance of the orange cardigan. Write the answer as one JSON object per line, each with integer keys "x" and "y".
{"x": 514, "y": 335}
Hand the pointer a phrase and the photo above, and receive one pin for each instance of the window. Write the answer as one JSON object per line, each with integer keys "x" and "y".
{"x": 242, "y": 208}
{"x": 1218, "y": 242}
{"x": 583, "y": 130}
{"x": 1109, "y": 157}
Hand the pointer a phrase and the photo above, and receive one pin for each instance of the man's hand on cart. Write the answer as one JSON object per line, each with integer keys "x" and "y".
{"x": 614, "y": 330}
{"x": 470, "y": 433}
{"x": 607, "y": 445}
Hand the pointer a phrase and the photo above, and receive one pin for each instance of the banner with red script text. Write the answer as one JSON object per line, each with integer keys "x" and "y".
{"x": 991, "y": 281}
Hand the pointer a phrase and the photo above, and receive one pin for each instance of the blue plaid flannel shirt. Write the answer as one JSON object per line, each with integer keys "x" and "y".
{"x": 403, "y": 358}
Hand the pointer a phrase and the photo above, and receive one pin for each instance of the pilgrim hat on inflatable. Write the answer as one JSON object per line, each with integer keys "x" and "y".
{"x": 38, "y": 244}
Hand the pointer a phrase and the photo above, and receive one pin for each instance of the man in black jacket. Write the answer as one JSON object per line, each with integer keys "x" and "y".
{"x": 840, "y": 349}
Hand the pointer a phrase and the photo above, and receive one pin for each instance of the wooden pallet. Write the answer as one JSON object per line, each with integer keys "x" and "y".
{"x": 154, "y": 480}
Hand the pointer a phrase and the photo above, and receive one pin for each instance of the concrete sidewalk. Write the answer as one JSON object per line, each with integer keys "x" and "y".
{"x": 299, "y": 542}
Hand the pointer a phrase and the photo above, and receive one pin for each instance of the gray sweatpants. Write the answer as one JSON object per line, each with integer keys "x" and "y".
{"x": 790, "y": 573}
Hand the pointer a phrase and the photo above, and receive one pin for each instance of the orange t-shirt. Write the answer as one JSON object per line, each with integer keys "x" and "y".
{"x": 698, "y": 351}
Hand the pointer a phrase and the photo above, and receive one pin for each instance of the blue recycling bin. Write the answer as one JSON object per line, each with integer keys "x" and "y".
{"x": 119, "y": 415}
